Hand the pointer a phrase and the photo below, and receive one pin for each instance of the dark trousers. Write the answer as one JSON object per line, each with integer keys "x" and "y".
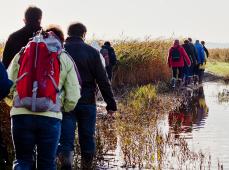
{"x": 109, "y": 71}
{"x": 201, "y": 75}
{"x": 29, "y": 131}
{"x": 196, "y": 70}
{"x": 85, "y": 117}
{"x": 178, "y": 72}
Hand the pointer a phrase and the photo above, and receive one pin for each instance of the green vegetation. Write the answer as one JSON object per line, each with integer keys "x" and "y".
{"x": 218, "y": 68}
{"x": 143, "y": 142}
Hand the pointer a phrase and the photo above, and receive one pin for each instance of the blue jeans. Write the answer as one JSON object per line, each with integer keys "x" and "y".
{"x": 85, "y": 117}
{"x": 29, "y": 131}
{"x": 188, "y": 71}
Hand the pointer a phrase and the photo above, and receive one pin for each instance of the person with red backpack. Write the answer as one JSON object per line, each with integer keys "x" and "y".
{"x": 46, "y": 84}
{"x": 176, "y": 60}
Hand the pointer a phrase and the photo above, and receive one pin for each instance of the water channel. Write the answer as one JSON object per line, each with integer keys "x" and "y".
{"x": 201, "y": 122}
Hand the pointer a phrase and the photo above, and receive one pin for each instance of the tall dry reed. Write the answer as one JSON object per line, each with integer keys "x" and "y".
{"x": 141, "y": 62}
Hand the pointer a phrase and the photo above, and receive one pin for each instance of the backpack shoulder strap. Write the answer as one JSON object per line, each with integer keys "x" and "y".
{"x": 76, "y": 69}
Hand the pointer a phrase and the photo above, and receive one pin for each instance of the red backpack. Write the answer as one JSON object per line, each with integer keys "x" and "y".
{"x": 39, "y": 74}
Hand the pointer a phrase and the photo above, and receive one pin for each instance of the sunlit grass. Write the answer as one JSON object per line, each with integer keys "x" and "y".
{"x": 141, "y": 62}
{"x": 1, "y": 50}
{"x": 219, "y": 55}
{"x": 218, "y": 68}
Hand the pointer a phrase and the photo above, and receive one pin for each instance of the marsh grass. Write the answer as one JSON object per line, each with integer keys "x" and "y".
{"x": 1, "y": 49}
{"x": 219, "y": 55}
{"x": 6, "y": 130}
{"x": 141, "y": 62}
{"x": 141, "y": 140}
{"x": 223, "y": 97}
{"x": 219, "y": 68}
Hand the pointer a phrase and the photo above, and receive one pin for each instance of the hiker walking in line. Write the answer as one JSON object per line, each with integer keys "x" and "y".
{"x": 110, "y": 58}
{"x": 5, "y": 85}
{"x": 45, "y": 84}
{"x": 194, "y": 53}
{"x": 20, "y": 38}
{"x": 96, "y": 46}
{"x": 201, "y": 61}
{"x": 92, "y": 72}
{"x": 176, "y": 59}
{"x": 189, "y": 71}
{"x": 205, "y": 49}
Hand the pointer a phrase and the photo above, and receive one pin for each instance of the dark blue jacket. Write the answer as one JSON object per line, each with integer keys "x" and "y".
{"x": 5, "y": 83}
{"x": 91, "y": 71}
{"x": 111, "y": 53}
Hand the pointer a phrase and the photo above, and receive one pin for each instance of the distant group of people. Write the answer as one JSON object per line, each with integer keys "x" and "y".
{"x": 188, "y": 62}
{"x": 54, "y": 81}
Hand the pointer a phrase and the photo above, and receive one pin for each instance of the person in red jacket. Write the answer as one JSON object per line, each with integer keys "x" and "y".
{"x": 176, "y": 60}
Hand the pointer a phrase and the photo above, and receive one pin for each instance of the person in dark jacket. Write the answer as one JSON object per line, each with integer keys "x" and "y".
{"x": 189, "y": 71}
{"x": 5, "y": 85}
{"x": 196, "y": 66}
{"x": 20, "y": 38}
{"x": 205, "y": 49}
{"x": 112, "y": 58}
{"x": 92, "y": 72}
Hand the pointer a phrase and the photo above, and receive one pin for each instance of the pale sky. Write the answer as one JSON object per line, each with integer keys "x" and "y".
{"x": 115, "y": 19}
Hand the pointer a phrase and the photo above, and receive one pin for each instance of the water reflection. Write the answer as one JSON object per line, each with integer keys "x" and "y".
{"x": 135, "y": 141}
{"x": 190, "y": 115}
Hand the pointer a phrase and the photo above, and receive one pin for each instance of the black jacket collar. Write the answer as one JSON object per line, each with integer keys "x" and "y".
{"x": 75, "y": 39}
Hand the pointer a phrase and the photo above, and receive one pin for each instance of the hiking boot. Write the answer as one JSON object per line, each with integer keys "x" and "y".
{"x": 87, "y": 161}
{"x": 186, "y": 82}
{"x": 195, "y": 79}
{"x": 173, "y": 82}
{"x": 201, "y": 76}
{"x": 66, "y": 160}
{"x": 179, "y": 83}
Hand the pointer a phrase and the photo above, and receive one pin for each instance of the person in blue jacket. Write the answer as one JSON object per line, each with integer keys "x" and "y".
{"x": 200, "y": 60}
{"x": 5, "y": 83}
